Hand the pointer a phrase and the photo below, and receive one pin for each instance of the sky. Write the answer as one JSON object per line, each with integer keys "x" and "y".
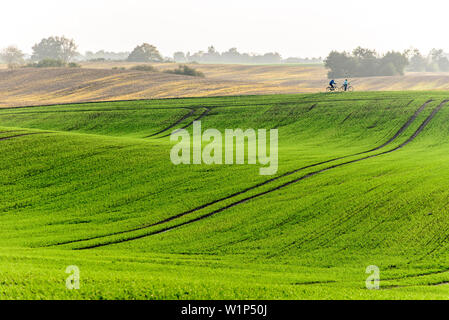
{"x": 294, "y": 28}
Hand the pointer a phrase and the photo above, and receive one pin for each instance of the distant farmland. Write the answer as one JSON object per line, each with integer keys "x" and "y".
{"x": 99, "y": 82}
{"x": 362, "y": 181}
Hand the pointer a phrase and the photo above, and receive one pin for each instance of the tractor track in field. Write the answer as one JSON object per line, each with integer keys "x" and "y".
{"x": 201, "y": 116}
{"x": 399, "y": 286}
{"x": 347, "y": 117}
{"x": 22, "y": 135}
{"x": 418, "y": 275}
{"x": 403, "y": 128}
{"x": 189, "y": 114}
{"x": 312, "y": 107}
{"x": 410, "y": 139}
{"x": 437, "y": 247}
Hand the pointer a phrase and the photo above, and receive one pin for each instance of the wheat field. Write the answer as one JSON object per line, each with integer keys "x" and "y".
{"x": 113, "y": 81}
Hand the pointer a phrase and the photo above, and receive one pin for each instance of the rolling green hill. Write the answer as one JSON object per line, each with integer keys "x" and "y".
{"x": 362, "y": 181}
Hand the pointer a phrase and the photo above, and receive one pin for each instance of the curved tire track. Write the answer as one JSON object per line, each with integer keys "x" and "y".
{"x": 205, "y": 113}
{"x": 192, "y": 111}
{"x": 22, "y": 135}
{"x": 410, "y": 139}
{"x": 312, "y": 107}
{"x": 402, "y": 129}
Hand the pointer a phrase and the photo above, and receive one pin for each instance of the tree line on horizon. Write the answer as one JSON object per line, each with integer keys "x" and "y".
{"x": 234, "y": 56}
{"x": 62, "y": 51}
{"x": 362, "y": 62}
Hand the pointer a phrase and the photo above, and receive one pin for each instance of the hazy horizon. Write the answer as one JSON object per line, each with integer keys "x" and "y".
{"x": 292, "y": 28}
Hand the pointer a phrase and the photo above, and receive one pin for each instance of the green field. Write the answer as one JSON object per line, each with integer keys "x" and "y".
{"x": 362, "y": 181}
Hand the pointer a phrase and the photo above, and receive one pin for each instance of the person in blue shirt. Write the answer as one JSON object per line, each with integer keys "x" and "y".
{"x": 332, "y": 83}
{"x": 345, "y": 84}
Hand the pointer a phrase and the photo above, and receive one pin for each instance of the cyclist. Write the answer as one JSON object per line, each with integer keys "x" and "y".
{"x": 345, "y": 84}
{"x": 332, "y": 84}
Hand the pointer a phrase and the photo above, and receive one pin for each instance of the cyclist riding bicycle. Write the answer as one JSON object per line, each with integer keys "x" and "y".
{"x": 332, "y": 83}
{"x": 345, "y": 84}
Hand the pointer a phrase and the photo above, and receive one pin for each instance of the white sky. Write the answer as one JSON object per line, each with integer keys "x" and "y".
{"x": 290, "y": 27}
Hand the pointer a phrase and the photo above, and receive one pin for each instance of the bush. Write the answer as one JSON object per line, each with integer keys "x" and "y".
{"x": 187, "y": 71}
{"x": 143, "y": 67}
{"x": 74, "y": 65}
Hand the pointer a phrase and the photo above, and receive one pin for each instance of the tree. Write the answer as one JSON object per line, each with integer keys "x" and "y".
{"x": 212, "y": 55}
{"x": 197, "y": 57}
{"x": 145, "y": 53}
{"x": 418, "y": 63}
{"x": 340, "y": 65}
{"x": 13, "y": 56}
{"x": 395, "y": 62}
{"x": 363, "y": 53}
{"x": 443, "y": 64}
{"x": 436, "y": 54}
{"x": 211, "y": 50}
{"x": 232, "y": 55}
{"x": 56, "y": 48}
{"x": 438, "y": 57}
{"x": 365, "y": 63}
{"x": 179, "y": 57}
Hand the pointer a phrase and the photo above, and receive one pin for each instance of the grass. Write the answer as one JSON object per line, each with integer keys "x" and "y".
{"x": 93, "y": 186}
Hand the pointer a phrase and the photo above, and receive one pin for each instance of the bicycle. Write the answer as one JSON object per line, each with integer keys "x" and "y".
{"x": 330, "y": 89}
{"x": 348, "y": 89}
